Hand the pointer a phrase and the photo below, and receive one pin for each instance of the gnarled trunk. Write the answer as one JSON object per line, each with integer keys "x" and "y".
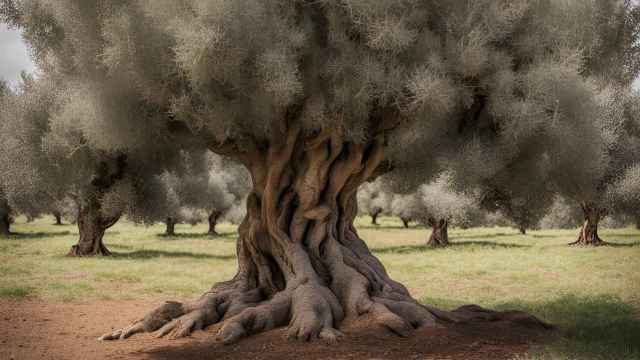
{"x": 405, "y": 222}
{"x": 301, "y": 262}
{"x": 213, "y": 221}
{"x": 374, "y": 217}
{"x": 92, "y": 222}
{"x": 171, "y": 226}
{"x": 92, "y": 225}
{"x": 439, "y": 233}
{"x": 589, "y": 232}
{"x": 58, "y": 218}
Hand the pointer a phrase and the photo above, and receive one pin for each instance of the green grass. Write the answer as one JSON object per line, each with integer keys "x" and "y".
{"x": 592, "y": 294}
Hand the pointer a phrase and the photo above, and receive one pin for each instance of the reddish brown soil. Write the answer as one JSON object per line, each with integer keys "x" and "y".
{"x": 41, "y": 330}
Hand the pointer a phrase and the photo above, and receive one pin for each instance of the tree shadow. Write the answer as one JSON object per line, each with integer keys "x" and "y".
{"x": 183, "y": 236}
{"x": 405, "y": 249}
{"x": 536, "y": 236}
{"x": 38, "y": 235}
{"x": 151, "y": 254}
{"x": 484, "y": 236}
{"x": 622, "y": 245}
{"x": 592, "y": 327}
{"x": 388, "y": 227}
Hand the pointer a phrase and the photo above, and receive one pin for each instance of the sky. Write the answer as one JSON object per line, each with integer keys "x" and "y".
{"x": 14, "y": 56}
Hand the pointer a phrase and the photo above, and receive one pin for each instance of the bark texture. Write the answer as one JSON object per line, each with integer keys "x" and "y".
{"x": 57, "y": 217}
{"x": 301, "y": 262}
{"x": 92, "y": 225}
{"x": 588, "y": 235}
{"x": 92, "y": 222}
{"x": 213, "y": 221}
{"x": 171, "y": 226}
{"x": 439, "y": 233}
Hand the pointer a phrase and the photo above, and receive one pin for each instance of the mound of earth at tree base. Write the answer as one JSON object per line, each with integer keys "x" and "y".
{"x": 31, "y": 329}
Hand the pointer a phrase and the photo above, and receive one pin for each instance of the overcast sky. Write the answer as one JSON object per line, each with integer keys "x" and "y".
{"x": 15, "y": 58}
{"x": 13, "y": 55}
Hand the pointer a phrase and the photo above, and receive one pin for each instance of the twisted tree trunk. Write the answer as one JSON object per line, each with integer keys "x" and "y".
{"x": 589, "y": 232}
{"x": 405, "y": 222}
{"x": 171, "y": 226}
{"x": 58, "y": 218}
{"x": 213, "y": 221}
{"x": 301, "y": 262}
{"x": 439, "y": 233}
{"x": 92, "y": 225}
{"x": 92, "y": 222}
{"x": 374, "y": 217}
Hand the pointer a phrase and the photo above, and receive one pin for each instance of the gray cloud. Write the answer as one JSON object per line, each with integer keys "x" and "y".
{"x": 14, "y": 56}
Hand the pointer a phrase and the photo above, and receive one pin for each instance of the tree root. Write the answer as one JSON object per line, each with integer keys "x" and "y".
{"x": 75, "y": 251}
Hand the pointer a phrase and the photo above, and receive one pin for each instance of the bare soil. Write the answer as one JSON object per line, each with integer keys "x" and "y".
{"x": 33, "y": 329}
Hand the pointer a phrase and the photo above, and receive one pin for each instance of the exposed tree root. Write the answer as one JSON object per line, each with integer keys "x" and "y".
{"x": 301, "y": 262}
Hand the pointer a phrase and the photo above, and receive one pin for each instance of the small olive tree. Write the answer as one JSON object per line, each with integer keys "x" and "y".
{"x": 374, "y": 201}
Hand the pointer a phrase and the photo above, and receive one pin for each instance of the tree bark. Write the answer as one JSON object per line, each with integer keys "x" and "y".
{"x": 213, "y": 221}
{"x": 301, "y": 262}
{"x": 58, "y": 218}
{"x": 171, "y": 227}
{"x": 439, "y": 233}
{"x": 374, "y": 217}
{"x": 92, "y": 225}
{"x": 588, "y": 235}
{"x": 405, "y": 222}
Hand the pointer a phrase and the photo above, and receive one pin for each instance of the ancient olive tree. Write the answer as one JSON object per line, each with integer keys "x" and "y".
{"x": 315, "y": 99}
{"x": 373, "y": 200}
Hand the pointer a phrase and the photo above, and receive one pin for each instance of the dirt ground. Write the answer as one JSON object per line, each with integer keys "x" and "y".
{"x": 31, "y": 329}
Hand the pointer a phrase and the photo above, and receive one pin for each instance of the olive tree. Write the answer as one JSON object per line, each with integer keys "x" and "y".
{"x": 440, "y": 205}
{"x": 373, "y": 200}
{"x": 315, "y": 99}
{"x": 563, "y": 214}
{"x": 405, "y": 206}
{"x": 201, "y": 185}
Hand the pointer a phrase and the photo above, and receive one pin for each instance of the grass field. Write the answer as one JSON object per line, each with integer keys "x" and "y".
{"x": 592, "y": 294}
